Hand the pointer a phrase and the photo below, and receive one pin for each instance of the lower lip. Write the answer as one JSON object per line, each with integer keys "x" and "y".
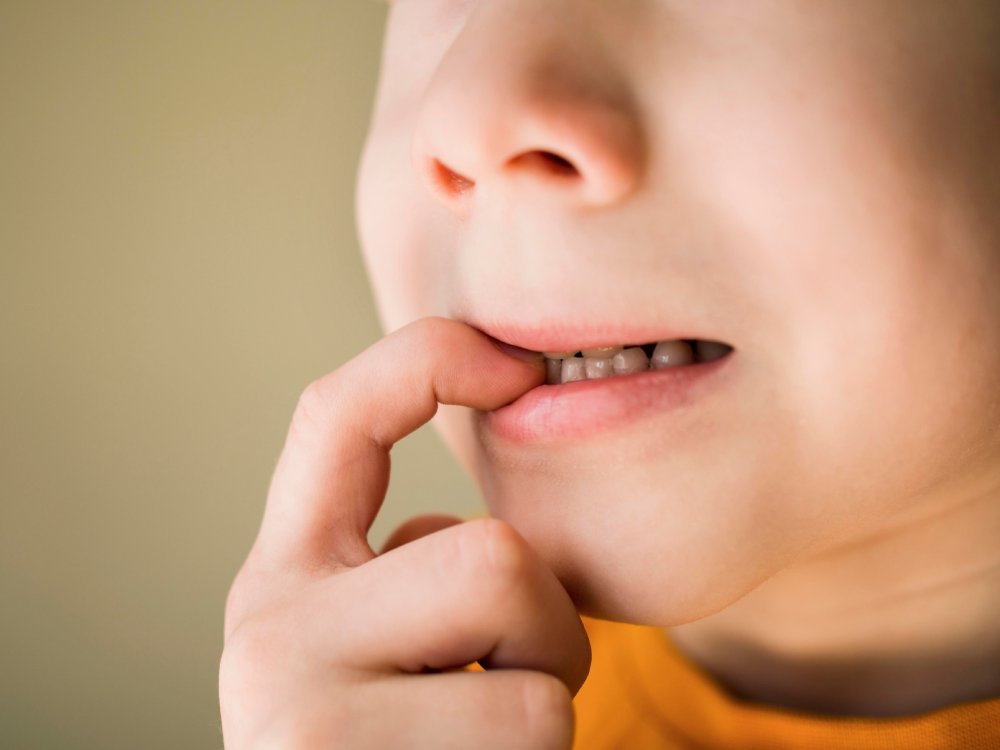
{"x": 587, "y": 407}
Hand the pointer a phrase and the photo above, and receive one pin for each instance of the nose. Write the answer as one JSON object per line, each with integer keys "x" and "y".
{"x": 525, "y": 102}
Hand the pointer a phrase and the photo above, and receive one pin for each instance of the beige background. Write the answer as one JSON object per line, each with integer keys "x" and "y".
{"x": 178, "y": 259}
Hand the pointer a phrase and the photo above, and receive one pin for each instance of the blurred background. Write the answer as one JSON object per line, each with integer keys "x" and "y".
{"x": 178, "y": 260}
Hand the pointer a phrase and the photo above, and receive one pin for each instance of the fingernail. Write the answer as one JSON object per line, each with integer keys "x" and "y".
{"x": 525, "y": 355}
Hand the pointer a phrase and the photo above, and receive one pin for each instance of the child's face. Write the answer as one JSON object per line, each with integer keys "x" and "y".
{"x": 814, "y": 184}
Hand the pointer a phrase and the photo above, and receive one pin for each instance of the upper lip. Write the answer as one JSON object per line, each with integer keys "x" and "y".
{"x": 571, "y": 336}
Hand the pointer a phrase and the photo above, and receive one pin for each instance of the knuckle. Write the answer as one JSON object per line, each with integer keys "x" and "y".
{"x": 499, "y": 555}
{"x": 431, "y": 325}
{"x": 241, "y": 668}
{"x": 239, "y": 600}
{"x": 247, "y": 649}
{"x": 247, "y": 592}
{"x": 265, "y": 640}
{"x": 433, "y": 332}
{"x": 236, "y": 604}
{"x": 313, "y": 407}
{"x": 268, "y": 678}
{"x": 548, "y": 711}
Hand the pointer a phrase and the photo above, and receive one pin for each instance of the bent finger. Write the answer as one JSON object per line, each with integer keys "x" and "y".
{"x": 333, "y": 472}
{"x": 474, "y": 591}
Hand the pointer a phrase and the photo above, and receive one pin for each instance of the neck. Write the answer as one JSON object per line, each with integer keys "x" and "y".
{"x": 899, "y": 623}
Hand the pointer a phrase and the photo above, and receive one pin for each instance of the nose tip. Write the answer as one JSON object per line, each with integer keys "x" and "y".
{"x": 591, "y": 159}
{"x": 535, "y": 125}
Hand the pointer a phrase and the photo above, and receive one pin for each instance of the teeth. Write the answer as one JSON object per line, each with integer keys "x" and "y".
{"x": 598, "y": 367}
{"x": 553, "y": 370}
{"x": 629, "y": 360}
{"x": 671, "y": 354}
{"x": 608, "y": 361}
{"x": 572, "y": 369}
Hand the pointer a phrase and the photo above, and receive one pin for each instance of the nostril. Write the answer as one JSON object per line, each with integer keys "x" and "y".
{"x": 450, "y": 181}
{"x": 546, "y": 161}
{"x": 452, "y": 185}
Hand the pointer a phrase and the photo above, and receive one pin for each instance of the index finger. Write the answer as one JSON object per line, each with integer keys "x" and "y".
{"x": 333, "y": 472}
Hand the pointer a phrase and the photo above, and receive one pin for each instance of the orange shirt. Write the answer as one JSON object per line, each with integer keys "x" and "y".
{"x": 644, "y": 693}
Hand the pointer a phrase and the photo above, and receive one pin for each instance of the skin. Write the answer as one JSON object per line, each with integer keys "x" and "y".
{"x": 816, "y": 186}
{"x": 323, "y": 636}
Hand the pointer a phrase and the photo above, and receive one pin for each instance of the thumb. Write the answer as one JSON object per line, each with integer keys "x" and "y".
{"x": 416, "y": 527}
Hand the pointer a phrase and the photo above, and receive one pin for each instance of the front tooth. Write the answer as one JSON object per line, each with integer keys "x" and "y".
{"x": 602, "y": 352}
{"x": 598, "y": 367}
{"x": 553, "y": 371}
{"x": 558, "y": 355}
{"x": 573, "y": 369}
{"x": 706, "y": 351}
{"x": 629, "y": 360}
{"x": 671, "y": 354}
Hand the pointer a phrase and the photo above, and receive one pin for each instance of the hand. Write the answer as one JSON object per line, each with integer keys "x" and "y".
{"x": 328, "y": 645}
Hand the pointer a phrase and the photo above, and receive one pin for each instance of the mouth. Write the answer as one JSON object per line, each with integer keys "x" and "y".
{"x": 605, "y": 386}
{"x": 601, "y": 362}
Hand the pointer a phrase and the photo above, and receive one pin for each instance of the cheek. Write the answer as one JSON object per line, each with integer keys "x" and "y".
{"x": 889, "y": 349}
{"x": 885, "y": 365}
{"x": 402, "y": 251}
{"x": 901, "y": 386}
{"x": 878, "y": 329}
{"x": 401, "y": 228}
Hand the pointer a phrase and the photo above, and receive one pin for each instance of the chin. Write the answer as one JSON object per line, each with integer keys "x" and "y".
{"x": 611, "y": 581}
